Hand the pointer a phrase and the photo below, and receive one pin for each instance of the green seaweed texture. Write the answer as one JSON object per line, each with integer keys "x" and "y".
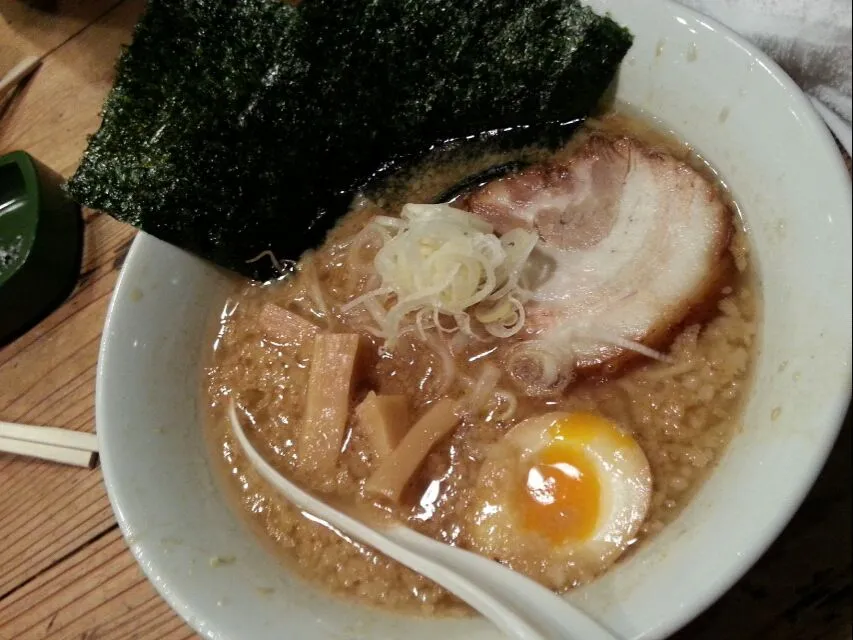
{"x": 238, "y": 127}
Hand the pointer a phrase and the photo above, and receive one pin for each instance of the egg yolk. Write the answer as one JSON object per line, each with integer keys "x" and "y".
{"x": 561, "y": 495}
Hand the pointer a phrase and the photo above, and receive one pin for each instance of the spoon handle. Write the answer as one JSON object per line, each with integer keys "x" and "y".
{"x": 519, "y": 607}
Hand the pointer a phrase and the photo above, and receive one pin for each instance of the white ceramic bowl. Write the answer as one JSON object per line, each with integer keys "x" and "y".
{"x": 753, "y": 124}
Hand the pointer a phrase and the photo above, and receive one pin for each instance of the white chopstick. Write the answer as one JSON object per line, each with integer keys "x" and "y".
{"x": 49, "y": 443}
{"x": 19, "y": 72}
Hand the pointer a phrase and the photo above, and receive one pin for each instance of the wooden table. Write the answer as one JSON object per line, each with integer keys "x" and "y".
{"x": 65, "y": 571}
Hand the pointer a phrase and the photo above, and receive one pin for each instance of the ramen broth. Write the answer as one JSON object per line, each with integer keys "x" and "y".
{"x": 681, "y": 412}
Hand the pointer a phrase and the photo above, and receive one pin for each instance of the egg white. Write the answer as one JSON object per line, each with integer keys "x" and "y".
{"x": 496, "y": 527}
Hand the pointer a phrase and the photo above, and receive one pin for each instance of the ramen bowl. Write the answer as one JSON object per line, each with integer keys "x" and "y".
{"x": 755, "y": 127}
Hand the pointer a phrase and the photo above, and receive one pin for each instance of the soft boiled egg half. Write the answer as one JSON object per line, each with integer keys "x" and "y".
{"x": 560, "y": 497}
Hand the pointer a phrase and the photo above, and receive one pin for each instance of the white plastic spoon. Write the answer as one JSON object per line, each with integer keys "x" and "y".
{"x": 518, "y": 606}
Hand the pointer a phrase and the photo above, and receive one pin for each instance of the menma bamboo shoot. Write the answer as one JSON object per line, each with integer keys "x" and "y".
{"x": 327, "y": 401}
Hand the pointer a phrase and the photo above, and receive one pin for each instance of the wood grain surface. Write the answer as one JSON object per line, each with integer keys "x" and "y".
{"x": 65, "y": 571}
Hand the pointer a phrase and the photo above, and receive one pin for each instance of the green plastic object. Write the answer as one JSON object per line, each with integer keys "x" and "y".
{"x": 41, "y": 243}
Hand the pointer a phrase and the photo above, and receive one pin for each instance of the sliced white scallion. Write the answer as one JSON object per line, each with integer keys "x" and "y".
{"x": 438, "y": 266}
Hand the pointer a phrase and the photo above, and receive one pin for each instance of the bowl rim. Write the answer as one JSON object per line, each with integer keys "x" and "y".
{"x": 748, "y": 554}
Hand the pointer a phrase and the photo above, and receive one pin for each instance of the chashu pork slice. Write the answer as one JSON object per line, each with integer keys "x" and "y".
{"x": 633, "y": 241}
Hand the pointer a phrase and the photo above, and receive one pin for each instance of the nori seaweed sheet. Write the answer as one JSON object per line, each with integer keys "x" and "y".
{"x": 235, "y": 128}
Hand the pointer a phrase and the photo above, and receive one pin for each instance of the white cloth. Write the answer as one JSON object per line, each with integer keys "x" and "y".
{"x": 810, "y": 39}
